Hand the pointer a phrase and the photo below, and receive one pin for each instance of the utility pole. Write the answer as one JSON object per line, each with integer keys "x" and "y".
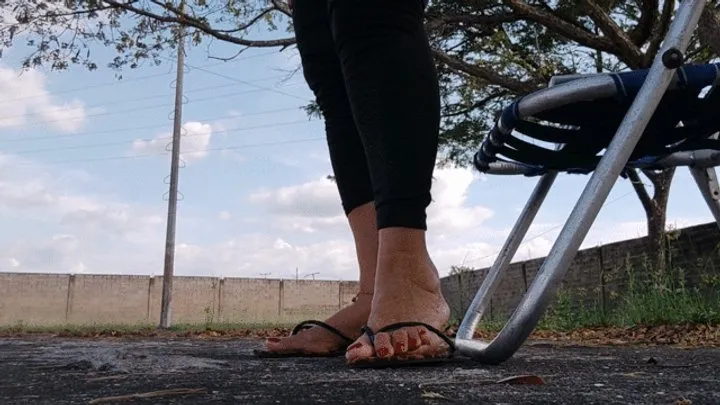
{"x": 169, "y": 266}
{"x": 312, "y": 275}
{"x": 297, "y": 274}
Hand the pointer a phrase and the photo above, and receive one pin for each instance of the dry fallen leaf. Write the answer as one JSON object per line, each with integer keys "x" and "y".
{"x": 522, "y": 379}
{"x": 432, "y": 395}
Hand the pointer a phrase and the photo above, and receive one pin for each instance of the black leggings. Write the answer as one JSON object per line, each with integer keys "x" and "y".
{"x": 369, "y": 64}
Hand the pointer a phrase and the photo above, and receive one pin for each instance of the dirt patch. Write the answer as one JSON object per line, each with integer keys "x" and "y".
{"x": 673, "y": 335}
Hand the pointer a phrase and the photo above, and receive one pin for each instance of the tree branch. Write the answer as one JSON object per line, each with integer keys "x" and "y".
{"x": 554, "y": 23}
{"x": 626, "y": 48}
{"x": 200, "y": 25}
{"x": 437, "y": 19}
{"x": 251, "y": 22}
{"x": 486, "y": 74}
{"x": 478, "y": 104}
{"x": 643, "y": 30}
{"x": 282, "y": 7}
{"x": 709, "y": 28}
{"x": 637, "y": 183}
{"x": 659, "y": 32}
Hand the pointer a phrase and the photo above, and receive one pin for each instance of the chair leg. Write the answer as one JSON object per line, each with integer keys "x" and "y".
{"x": 532, "y": 306}
{"x": 707, "y": 182}
{"x": 481, "y": 301}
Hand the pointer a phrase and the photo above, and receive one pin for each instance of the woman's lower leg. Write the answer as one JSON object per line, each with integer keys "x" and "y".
{"x": 392, "y": 85}
{"x": 323, "y": 73}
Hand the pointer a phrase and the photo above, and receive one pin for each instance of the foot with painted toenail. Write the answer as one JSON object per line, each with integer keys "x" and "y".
{"x": 416, "y": 316}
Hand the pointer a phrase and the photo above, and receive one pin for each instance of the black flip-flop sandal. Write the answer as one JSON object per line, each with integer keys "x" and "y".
{"x": 375, "y": 362}
{"x": 299, "y": 353}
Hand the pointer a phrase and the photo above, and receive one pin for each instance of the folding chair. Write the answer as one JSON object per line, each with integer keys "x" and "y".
{"x": 643, "y": 119}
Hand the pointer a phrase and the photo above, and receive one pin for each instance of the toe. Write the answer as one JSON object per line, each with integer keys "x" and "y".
{"x": 436, "y": 341}
{"x": 360, "y": 349}
{"x": 431, "y": 345}
{"x": 384, "y": 345}
{"x": 399, "y": 340}
{"x": 414, "y": 341}
{"x": 274, "y": 344}
{"x": 425, "y": 336}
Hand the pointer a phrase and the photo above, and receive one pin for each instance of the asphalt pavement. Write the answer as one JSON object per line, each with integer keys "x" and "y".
{"x": 52, "y": 370}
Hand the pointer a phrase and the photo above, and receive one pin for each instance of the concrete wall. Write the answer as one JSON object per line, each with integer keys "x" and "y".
{"x": 598, "y": 276}
{"x": 50, "y": 299}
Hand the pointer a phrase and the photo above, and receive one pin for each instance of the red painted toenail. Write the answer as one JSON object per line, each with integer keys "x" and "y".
{"x": 422, "y": 332}
{"x": 273, "y": 340}
{"x": 400, "y": 348}
{"x": 355, "y": 346}
{"x": 383, "y": 352}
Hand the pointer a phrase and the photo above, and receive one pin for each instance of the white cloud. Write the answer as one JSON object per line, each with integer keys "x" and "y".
{"x": 7, "y": 17}
{"x": 193, "y": 144}
{"x": 308, "y": 207}
{"x": 317, "y": 198}
{"x": 314, "y": 207}
{"x": 32, "y": 190}
{"x": 24, "y": 99}
{"x": 262, "y": 253}
{"x": 56, "y": 225}
{"x": 59, "y": 229}
{"x": 448, "y": 214}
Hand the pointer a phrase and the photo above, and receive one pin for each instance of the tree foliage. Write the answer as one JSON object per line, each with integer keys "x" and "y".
{"x": 59, "y": 33}
{"x": 488, "y": 51}
{"x": 491, "y": 51}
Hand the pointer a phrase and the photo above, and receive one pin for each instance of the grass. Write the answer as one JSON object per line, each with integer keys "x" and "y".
{"x": 88, "y": 330}
{"x": 650, "y": 299}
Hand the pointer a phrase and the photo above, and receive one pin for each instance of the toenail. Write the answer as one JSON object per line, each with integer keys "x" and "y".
{"x": 422, "y": 332}
{"x": 355, "y": 346}
{"x": 273, "y": 340}
{"x": 400, "y": 348}
{"x": 383, "y": 352}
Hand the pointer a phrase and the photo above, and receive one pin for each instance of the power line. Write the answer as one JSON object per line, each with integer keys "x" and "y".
{"x": 116, "y": 112}
{"x": 135, "y": 79}
{"x": 128, "y": 129}
{"x": 125, "y": 142}
{"x": 235, "y": 79}
{"x": 132, "y": 100}
{"x": 205, "y": 150}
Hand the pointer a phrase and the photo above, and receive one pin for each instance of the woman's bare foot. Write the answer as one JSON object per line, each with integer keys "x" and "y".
{"x": 352, "y": 318}
{"x": 318, "y": 340}
{"x": 407, "y": 289}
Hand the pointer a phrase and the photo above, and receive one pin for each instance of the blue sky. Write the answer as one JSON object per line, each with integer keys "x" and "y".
{"x": 82, "y": 178}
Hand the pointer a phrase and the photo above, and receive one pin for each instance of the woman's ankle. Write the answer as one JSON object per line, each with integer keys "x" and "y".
{"x": 402, "y": 240}
{"x": 412, "y": 270}
{"x": 363, "y": 295}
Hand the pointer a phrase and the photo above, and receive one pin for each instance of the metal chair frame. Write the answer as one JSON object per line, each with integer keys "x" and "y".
{"x": 564, "y": 90}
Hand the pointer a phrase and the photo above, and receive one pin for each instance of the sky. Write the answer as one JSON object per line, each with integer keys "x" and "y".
{"x": 84, "y": 170}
